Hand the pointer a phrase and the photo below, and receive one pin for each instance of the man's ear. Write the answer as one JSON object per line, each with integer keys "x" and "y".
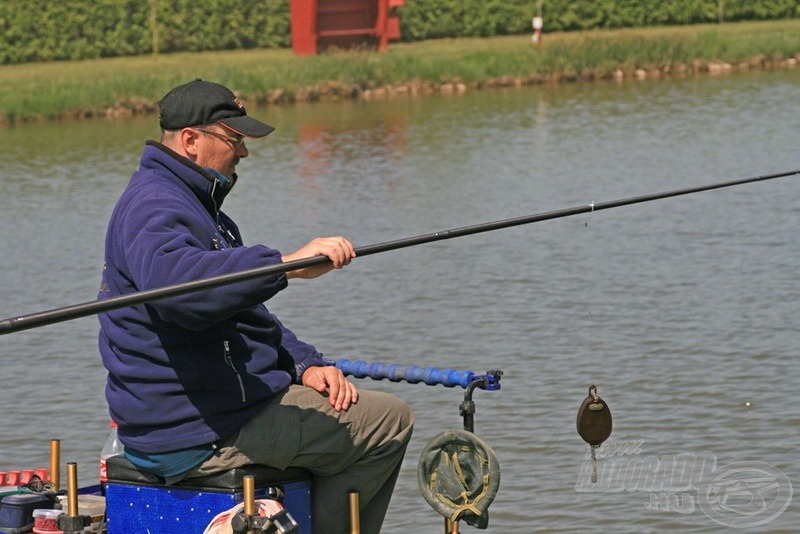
{"x": 189, "y": 140}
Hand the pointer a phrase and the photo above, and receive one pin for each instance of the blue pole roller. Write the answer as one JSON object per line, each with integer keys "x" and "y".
{"x": 413, "y": 374}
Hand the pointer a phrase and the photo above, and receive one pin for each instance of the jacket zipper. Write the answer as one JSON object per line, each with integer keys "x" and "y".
{"x": 229, "y": 360}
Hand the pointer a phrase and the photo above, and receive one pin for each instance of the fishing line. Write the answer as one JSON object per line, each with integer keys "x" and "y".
{"x": 76, "y": 311}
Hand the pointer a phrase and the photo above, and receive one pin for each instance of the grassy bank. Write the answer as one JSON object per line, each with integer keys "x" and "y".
{"x": 123, "y": 86}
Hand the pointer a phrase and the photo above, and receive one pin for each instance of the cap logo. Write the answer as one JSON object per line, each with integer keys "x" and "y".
{"x": 238, "y": 102}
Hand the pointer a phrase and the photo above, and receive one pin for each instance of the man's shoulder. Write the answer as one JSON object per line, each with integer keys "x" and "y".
{"x": 148, "y": 193}
{"x": 151, "y": 184}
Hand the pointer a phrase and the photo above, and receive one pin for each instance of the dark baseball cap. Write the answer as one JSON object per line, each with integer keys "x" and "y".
{"x": 200, "y": 102}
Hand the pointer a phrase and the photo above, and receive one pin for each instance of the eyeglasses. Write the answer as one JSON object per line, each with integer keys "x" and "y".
{"x": 235, "y": 142}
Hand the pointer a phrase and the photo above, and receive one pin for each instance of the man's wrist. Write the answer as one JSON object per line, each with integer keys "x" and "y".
{"x": 306, "y": 364}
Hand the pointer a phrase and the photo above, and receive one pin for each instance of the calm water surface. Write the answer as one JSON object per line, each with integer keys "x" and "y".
{"x": 681, "y": 311}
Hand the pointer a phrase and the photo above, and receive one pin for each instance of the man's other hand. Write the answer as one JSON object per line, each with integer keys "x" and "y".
{"x": 341, "y": 392}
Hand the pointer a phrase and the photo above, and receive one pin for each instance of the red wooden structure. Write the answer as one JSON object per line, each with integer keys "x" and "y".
{"x": 320, "y": 24}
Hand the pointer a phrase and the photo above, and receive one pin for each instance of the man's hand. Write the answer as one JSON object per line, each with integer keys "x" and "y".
{"x": 337, "y": 249}
{"x": 341, "y": 392}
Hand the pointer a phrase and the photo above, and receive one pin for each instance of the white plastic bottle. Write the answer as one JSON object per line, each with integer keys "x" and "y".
{"x": 112, "y": 447}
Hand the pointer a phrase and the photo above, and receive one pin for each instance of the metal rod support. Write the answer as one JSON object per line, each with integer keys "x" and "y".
{"x": 249, "y": 490}
{"x": 72, "y": 489}
{"x": 355, "y": 515}
{"x": 55, "y": 463}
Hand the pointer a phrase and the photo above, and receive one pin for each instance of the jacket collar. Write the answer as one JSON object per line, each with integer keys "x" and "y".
{"x": 209, "y": 190}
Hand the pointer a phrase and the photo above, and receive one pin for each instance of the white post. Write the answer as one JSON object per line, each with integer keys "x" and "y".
{"x": 538, "y": 23}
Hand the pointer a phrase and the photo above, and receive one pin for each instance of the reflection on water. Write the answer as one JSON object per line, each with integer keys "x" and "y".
{"x": 681, "y": 311}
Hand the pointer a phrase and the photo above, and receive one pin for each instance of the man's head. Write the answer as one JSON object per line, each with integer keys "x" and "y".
{"x": 207, "y": 123}
{"x": 200, "y": 102}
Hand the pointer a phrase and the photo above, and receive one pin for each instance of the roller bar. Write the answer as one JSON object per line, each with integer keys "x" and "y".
{"x": 412, "y": 374}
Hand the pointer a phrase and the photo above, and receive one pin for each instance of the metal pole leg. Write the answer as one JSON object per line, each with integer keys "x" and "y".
{"x": 249, "y": 489}
{"x": 55, "y": 463}
{"x": 355, "y": 519}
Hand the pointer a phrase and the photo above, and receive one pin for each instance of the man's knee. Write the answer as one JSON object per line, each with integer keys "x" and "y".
{"x": 393, "y": 409}
{"x": 398, "y": 419}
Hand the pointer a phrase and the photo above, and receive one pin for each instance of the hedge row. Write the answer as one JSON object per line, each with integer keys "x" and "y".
{"x": 429, "y": 19}
{"x": 43, "y": 30}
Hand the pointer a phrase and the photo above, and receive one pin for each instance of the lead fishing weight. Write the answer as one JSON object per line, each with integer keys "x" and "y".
{"x": 594, "y": 424}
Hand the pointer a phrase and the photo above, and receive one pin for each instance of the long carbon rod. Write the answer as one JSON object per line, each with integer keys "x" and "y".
{"x": 76, "y": 311}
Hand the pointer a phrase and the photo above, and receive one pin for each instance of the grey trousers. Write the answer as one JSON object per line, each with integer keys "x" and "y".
{"x": 359, "y": 449}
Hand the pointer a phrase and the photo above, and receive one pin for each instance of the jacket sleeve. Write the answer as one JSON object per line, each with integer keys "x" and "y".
{"x": 167, "y": 244}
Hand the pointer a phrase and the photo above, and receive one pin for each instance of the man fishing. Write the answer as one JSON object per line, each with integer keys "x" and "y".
{"x": 211, "y": 380}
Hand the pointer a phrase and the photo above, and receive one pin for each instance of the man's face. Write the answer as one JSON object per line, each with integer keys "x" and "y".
{"x": 219, "y": 148}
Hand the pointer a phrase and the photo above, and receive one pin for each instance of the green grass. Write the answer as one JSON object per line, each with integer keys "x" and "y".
{"x": 134, "y": 84}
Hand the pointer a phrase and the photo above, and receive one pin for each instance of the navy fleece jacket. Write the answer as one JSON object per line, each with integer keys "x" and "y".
{"x": 188, "y": 370}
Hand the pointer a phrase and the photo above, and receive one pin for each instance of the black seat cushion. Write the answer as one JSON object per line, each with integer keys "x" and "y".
{"x": 121, "y": 470}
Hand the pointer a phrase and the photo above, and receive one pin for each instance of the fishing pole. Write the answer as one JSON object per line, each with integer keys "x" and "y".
{"x": 76, "y": 311}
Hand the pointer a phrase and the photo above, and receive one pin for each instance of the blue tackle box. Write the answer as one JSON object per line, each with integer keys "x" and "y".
{"x": 137, "y": 501}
